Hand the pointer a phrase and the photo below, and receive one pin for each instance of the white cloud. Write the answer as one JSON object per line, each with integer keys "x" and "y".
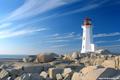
{"x": 107, "y": 34}
{"x": 31, "y": 8}
{"x": 107, "y": 41}
{"x": 111, "y": 46}
{"x": 63, "y": 36}
{"x": 55, "y": 35}
{"x": 8, "y": 34}
{"x": 57, "y": 46}
{"x": 101, "y": 41}
{"x": 5, "y": 25}
{"x": 58, "y": 40}
{"x": 67, "y": 37}
{"x": 34, "y": 7}
{"x": 118, "y": 40}
{"x": 88, "y": 6}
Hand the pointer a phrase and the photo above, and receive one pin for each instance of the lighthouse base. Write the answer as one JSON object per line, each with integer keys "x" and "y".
{"x": 89, "y": 49}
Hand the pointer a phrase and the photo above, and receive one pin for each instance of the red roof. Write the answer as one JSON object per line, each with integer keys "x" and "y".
{"x": 87, "y": 21}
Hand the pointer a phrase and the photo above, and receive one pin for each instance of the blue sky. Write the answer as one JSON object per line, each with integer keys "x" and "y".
{"x": 34, "y": 26}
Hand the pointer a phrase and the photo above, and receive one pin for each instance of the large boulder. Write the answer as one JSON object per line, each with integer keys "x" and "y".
{"x": 57, "y": 62}
{"x": 53, "y": 71}
{"x": 44, "y": 74}
{"x": 98, "y": 61}
{"x": 67, "y": 57}
{"x": 59, "y": 76}
{"x": 6, "y": 65}
{"x": 14, "y": 72}
{"x": 109, "y": 64}
{"x": 4, "y": 74}
{"x": 24, "y": 77}
{"x": 88, "y": 69}
{"x": 75, "y": 67}
{"x": 103, "y": 51}
{"x": 29, "y": 76}
{"x": 67, "y": 71}
{"x": 67, "y": 77}
{"x": 117, "y": 62}
{"x": 29, "y": 58}
{"x": 33, "y": 68}
{"x": 75, "y": 55}
{"x": 46, "y": 66}
{"x": 100, "y": 74}
{"x": 76, "y": 76}
{"x": 46, "y": 57}
{"x": 36, "y": 76}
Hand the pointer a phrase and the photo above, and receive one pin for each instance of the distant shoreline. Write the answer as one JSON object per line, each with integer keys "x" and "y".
{"x": 9, "y": 59}
{"x": 12, "y": 56}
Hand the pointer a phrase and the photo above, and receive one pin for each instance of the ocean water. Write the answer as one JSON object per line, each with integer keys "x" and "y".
{"x": 12, "y": 56}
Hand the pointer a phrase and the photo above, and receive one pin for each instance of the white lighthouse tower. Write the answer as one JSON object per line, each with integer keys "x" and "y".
{"x": 87, "y": 38}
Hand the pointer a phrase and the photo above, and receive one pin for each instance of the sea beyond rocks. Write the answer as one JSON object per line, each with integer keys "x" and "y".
{"x": 100, "y": 65}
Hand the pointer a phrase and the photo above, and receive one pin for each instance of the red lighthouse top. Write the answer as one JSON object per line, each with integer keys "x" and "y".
{"x": 87, "y": 21}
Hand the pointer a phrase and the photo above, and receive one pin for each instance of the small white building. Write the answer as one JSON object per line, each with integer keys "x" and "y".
{"x": 87, "y": 38}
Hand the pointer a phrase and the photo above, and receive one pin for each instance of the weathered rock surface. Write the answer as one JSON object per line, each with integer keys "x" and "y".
{"x": 47, "y": 66}
{"x": 88, "y": 66}
{"x": 44, "y": 74}
{"x": 100, "y": 73}
{"x": 4, "y": 74}
{"x": 103, "y": 51}
{"x": 47, "y": 57}
{"x": 88, "y": 69}
{"x": 15, "y": 72}
{"x": 67, "y": 71}
{"x": 67, "y": 77}
{"x": 33, "y": 69}
{"x": 53, "y": 71}
{"x": 67, "y": 57}
{"x": 75, "y": 67}
{"x": 109, "y": 63}
{"x": 30, "y": 58}
{"x": 76, "y": 76}
{"x": 75, "y": 55}
{"x": 59, "y": 76}
{"x": 29, "y": 76}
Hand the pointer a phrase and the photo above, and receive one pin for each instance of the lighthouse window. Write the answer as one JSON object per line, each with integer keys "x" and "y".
{"x": 83, "y": 38}
{"x": 83, "y": 46}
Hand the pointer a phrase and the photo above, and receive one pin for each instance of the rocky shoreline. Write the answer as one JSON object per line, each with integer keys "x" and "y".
{"x": 101, "y": 65}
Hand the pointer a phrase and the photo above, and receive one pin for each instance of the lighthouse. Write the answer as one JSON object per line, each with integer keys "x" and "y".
{"x": 87, "y": 38}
